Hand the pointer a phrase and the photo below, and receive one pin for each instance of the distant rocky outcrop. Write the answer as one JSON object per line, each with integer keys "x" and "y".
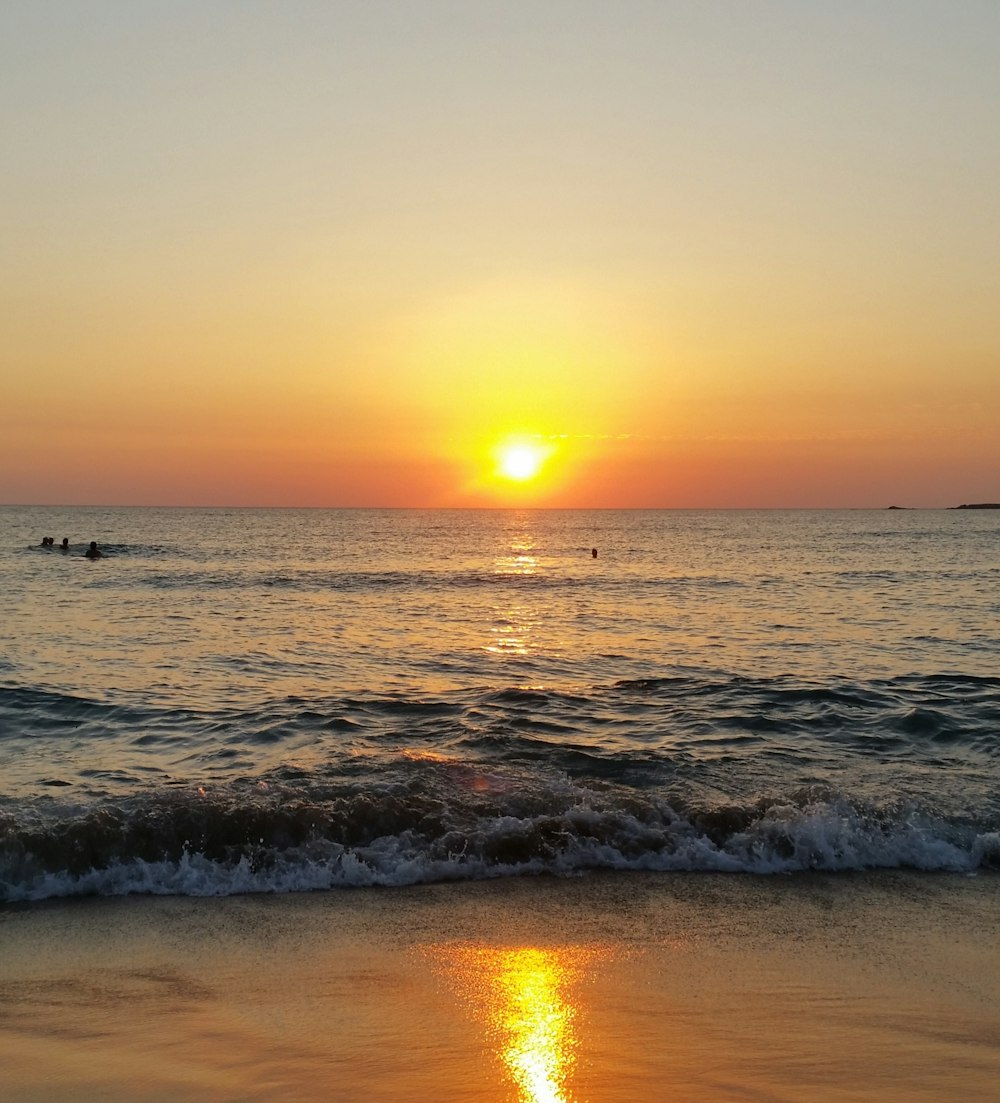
{"x": 979, "y": 505}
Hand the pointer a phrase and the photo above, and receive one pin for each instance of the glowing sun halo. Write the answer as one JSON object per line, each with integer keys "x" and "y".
{"x": 521, "y": 462}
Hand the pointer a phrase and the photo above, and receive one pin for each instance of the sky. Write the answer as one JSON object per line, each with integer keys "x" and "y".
{"x": 719, "y": 254}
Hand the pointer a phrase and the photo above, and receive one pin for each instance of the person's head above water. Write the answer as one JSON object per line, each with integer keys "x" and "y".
{"x": 93, "y": 552}
{"x": 65, "y": 543}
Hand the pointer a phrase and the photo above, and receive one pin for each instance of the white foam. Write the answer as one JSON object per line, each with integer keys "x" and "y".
{"x": 785, "y": 839}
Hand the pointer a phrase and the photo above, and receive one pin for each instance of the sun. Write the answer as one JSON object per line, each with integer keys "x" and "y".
{"x": 520, "y": 461}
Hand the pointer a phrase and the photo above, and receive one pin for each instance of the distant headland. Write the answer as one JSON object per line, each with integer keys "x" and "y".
{"x": 972, "y": 505}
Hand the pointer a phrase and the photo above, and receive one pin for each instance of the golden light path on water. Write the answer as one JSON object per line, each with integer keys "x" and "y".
{"x": 513, "y": 624}
{"x": 524, "y": 999}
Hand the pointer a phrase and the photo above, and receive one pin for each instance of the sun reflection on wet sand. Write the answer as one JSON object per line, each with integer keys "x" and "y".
{"x": 523, "y": 997}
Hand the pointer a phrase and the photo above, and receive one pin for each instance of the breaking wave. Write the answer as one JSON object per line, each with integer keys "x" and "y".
{"x": 279, "y": 839}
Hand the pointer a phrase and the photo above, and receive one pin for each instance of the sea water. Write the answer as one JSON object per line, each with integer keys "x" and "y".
{"x": 237, "y": 700}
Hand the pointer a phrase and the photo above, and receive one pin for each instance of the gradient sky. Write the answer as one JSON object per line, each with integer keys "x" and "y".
{"x": 706, "y": 254}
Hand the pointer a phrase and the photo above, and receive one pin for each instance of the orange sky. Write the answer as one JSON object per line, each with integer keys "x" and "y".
{"x": 702, "y": 255}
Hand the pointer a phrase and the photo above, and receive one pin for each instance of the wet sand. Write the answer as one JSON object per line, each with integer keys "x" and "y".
{"x": 599, "y": 989}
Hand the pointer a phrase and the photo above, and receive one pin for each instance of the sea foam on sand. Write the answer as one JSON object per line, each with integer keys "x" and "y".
{"x": 606, "y": 988}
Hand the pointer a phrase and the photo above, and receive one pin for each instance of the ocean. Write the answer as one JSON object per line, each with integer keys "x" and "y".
{"x": 253, "y": 700}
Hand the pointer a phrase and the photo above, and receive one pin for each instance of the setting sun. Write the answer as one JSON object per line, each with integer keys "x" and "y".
{"x": 521, "y": 461}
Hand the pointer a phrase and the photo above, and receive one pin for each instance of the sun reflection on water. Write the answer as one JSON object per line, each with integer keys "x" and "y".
{"x": 523, "y": 998}
{"x": 513, "y": 626}
{"x": 520, "y": 559}
{"x": 513, "y": 631}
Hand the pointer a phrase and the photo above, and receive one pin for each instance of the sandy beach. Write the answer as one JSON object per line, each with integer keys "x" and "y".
{"x": 603, "y": 988}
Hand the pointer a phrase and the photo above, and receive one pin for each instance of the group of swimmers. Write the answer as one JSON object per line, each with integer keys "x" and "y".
{"x": 93, "y": 552}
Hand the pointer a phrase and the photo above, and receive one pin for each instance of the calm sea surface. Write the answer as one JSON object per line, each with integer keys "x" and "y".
{"x": 257, "y": 700}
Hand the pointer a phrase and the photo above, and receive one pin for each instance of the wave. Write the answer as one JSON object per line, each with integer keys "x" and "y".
{"x": 176, "y": 568}
{"x": 695, "y": 770}
{"x": 272, "y": 837}
{"x": 919, "y": 718}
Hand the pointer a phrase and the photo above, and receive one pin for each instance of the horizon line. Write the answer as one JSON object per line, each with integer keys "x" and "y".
{"x": 492, "y": 508}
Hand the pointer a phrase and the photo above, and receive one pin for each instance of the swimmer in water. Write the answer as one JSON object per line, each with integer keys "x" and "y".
{"x": 64, "y": 546}
{"x": 94, "y": 552}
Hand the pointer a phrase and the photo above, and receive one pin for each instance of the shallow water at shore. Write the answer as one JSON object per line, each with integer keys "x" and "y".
{"x": 603, "y": 988}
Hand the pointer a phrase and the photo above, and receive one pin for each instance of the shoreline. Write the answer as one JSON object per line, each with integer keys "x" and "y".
{"x": 611, "y": 987}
